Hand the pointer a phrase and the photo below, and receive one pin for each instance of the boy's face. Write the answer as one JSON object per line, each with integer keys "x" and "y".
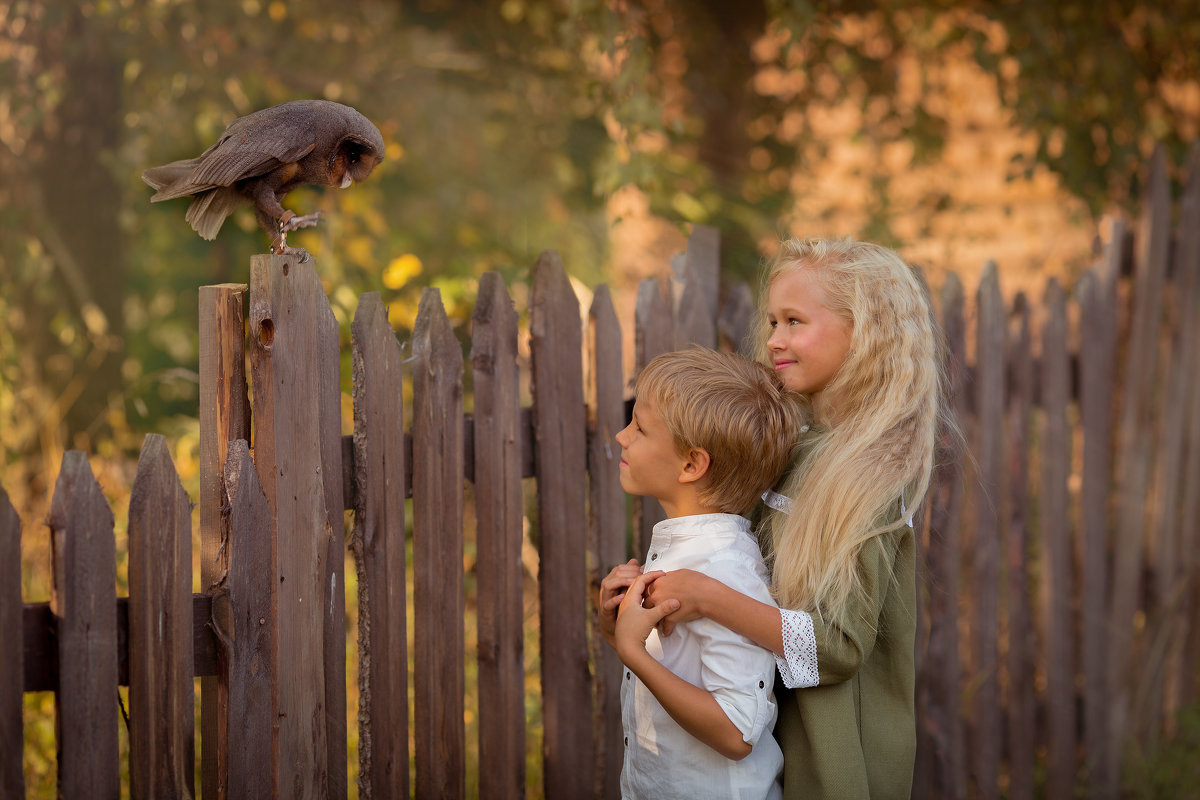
{"x": 649, "y": 464}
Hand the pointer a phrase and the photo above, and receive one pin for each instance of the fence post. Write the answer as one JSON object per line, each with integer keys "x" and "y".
{"x": 161, "y": 698}
{"x": 12, "y": 666}
{"x": 290, "y": 321}
{"x": 378, "y": 545}
{"x": 559, "y": 432}
{"x": 438, "y": 658}
{"x": 498, "y": 536}
{"x": 84, "y": 603}
{"x": 607, "y": 520}
{"x": 224, "y": 417}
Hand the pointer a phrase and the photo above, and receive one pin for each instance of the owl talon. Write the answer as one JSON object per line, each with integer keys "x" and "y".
{"x": 290, "y": 222}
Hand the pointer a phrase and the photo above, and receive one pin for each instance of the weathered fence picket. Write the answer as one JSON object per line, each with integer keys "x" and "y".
{"x": 606, "y": 407}
{"x": 162, "y": 725}
{"x": 985, "y": 544}
{"x": 1187, "y": 659}
{"x": 245, "y": 624}
{"x": 941, "y": 769}
{"x": 84, "y": 574}
{"x": 556, "y": 342}
{"x": 1057, "y": 546}
{"x": 1097, "y": 298}
{"x": 378, "y": 546}
{"x": 1134, "y": 447}
{"x": 498, "y": 539}
{"x": 1175, "y": 549}
{"x": 438, "y": 655}
{"x": 12, "y": 661}
{"x": 653, "y": 334}
{"x": 1020, "y": 699}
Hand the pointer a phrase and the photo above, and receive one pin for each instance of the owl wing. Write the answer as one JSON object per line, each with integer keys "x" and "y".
{"x": 252, "y": 145}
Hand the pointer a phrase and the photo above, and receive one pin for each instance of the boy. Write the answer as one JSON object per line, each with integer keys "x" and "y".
{"x": 710, "y": 433}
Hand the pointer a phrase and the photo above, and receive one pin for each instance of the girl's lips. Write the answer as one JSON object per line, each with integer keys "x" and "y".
{"x": 783, "y": 365}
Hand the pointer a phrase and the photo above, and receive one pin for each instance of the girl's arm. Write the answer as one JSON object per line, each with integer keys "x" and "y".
{"x": 701, "y": 596}
{"x": 838, "y": 651}
{"x": 696, "y": 710}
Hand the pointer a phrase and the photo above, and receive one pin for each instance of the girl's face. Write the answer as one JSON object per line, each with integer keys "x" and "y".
{"x": 808, "y": 341}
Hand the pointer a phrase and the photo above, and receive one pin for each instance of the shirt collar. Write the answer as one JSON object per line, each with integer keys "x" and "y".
{"x": 699, "y": 526}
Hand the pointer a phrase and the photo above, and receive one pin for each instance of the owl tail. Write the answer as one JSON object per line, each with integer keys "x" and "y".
{"x": 209, "y": 209}
{"x": 170, "y": 180}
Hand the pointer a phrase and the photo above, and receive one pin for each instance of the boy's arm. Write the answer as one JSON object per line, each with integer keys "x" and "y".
{"x": 612, "y": 590}
{"x": 695, "y": 709}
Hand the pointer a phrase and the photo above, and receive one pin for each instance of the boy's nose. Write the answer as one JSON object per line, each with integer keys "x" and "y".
{"x": 620, "y": 434}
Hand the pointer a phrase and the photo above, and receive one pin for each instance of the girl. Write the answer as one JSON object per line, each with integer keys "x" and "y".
{"x": 848, "y": 326}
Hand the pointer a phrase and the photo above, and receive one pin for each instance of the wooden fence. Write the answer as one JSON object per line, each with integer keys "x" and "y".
{"x": 1057, "y": 584}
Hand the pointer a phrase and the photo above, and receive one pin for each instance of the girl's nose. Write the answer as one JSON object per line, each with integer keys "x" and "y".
{"x": 775, "y": 340}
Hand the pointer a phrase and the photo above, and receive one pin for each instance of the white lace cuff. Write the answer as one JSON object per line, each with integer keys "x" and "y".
{"x": 798, "y": 665}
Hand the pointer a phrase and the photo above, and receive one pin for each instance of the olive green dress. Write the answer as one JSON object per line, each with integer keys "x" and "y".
{"x": 854, "y": 735}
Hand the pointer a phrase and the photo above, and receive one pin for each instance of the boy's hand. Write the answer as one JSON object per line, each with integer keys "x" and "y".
{"x": 635, "y": 621}
{"x": 612, "y": 591}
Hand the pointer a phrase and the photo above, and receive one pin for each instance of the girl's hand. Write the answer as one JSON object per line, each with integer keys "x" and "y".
{"x": 612, "y": 591}
{"x": 635, "y": 620}
{"x": 686, "y": 588}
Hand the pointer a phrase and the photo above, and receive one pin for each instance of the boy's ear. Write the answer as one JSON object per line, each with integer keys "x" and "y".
{"x": 695, "y": 465}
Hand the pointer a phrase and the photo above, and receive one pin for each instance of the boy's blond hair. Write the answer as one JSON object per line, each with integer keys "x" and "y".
{"x": 733, "y": 408}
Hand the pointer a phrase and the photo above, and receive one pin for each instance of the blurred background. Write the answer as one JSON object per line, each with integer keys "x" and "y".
{"x": 954, "y": 132}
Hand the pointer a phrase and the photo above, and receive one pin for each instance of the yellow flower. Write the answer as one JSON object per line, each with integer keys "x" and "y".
{"x": 401, "y": 270}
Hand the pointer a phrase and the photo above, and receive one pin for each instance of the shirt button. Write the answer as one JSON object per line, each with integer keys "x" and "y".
{"x": 627, "y": 675}
{"x": 761, "y": 684}
{"x": 653, "y": 556}
{"x": 627, "y": 741}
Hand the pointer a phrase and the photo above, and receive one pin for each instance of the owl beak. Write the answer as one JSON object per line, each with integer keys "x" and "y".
{"x": 346, "y": 180}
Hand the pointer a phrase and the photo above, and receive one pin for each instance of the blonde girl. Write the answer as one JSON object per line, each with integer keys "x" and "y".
{"x": 847, "y": 325}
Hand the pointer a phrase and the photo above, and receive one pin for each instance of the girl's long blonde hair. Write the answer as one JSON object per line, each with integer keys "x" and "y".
{"x": 874, "y": 440}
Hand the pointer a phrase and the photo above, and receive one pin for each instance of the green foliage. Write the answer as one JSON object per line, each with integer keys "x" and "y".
{"x": 1098, "y": 83}
{"x": 1171, "y": 769}
{"x": 508, "y": 128}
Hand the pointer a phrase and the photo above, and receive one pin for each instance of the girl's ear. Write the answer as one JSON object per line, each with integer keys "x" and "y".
{"x": 695, "y": 465}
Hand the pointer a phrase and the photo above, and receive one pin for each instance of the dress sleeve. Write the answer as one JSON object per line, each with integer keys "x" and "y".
{"x": 843, "y": 648}
{"x": 798, "y": 664}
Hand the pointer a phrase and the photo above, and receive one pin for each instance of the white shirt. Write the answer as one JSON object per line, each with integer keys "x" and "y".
{"x": 662, "y": 760}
